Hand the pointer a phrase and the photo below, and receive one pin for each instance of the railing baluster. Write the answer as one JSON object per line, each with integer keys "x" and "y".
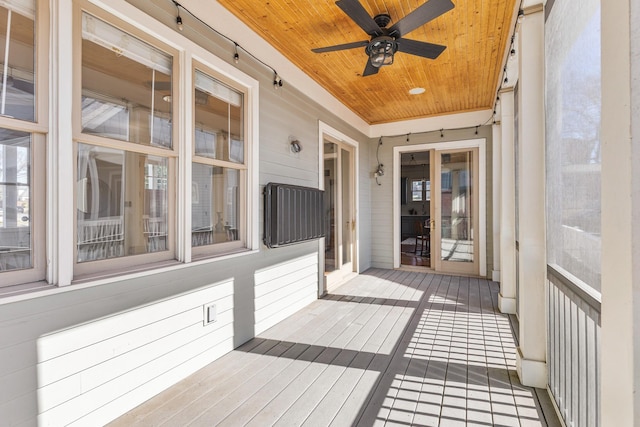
{"x": 574, "y": 349}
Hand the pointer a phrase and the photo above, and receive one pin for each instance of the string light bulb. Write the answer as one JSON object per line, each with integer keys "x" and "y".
{"x": 178, "y": 18}
{"x": 236, "y": 57}
{"x": 441, "y": 133}
{"x": 277, "y": 81}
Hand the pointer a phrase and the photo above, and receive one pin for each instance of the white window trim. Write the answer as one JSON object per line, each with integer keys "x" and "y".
{"x": 61, "y": 216}
{"x": 38, "y": 193}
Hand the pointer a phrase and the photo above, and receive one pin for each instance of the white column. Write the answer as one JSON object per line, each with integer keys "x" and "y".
{"x": 620, "y": 145}
{"x": 531, "y": 354}
{"x": 497, "y": 176}
{"x": 507, "y": 296}
{"x": 60, "y": 184}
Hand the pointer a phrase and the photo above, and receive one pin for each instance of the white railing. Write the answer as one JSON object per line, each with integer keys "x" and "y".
{"x": 574, "y": 348}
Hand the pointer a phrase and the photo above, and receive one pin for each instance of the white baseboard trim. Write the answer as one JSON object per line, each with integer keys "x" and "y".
{"x": 506, "y": 305}
{"x": 532, "y": 373}
{"x": 495, "y": 275}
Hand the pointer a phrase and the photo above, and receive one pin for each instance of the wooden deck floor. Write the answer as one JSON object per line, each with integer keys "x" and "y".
{"x": 388, "y": 348}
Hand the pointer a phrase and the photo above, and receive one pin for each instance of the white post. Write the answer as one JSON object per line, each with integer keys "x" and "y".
{"x": 60, "y": 183}
{"x": 532, "y": 271}
{"x": 507, "y": 296}
{"x": 620, "y": 145}
{"x": 497, "y": 176}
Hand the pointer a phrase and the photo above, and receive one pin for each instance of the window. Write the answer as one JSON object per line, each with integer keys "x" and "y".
{"x": 22, "y": 149}
{"x": 420, "y": 190}
{"x": 125, "y": 153}
{"x": 219, "y": 168}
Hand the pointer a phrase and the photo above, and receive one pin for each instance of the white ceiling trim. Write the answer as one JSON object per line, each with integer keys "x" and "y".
{"x": 449, "y": 121}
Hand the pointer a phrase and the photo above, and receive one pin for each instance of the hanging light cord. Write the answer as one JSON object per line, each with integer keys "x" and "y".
{"x": 277, "y": 80}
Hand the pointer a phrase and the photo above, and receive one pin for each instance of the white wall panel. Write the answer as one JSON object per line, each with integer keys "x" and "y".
{"x": 283, "y": 289}
{"x": 83, "y": 368}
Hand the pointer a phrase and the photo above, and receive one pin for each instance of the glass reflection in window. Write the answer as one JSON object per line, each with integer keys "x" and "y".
{"x": 121, "y": 203}
{"x": 17, "y": 79}
{"x": 126, "y": 86}
{"x": 214, "y": 205}
{"x": 15, "y": 198}
{"x": 219, "y": 120}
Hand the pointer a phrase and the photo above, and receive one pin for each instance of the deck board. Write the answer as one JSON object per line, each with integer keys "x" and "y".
{"x": 389, "y": 347}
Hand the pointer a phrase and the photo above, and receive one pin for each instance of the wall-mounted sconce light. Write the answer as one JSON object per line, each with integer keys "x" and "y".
{"x": 296, "y": 147}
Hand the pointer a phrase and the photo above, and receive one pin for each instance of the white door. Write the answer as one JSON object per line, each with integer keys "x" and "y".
{"x": 340, "y": 212}
{"x": 455, "y": 211}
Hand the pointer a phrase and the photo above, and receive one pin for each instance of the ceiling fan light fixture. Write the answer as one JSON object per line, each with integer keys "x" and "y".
{"x": 381, "y": 50}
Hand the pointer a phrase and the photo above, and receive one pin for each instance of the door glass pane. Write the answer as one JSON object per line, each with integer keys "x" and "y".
{"x": 347, "y": 197}
{"x": 330, "y": 192}
{"x": 15, "y": 207}
{"x": 456, "y": 199}
{"x": 121, "y": 203}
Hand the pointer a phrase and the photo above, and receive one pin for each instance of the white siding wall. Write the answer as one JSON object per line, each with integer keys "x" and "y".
{"x": 382, "y": 195}
{"x": 283, "y": 289}
{"x": 91, "y": 373}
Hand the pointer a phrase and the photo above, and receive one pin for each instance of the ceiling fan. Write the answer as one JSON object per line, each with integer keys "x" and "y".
{"x": 385, "y": 42}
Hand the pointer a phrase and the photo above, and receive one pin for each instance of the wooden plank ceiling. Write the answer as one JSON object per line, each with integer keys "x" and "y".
{"x": 463, "y": 78}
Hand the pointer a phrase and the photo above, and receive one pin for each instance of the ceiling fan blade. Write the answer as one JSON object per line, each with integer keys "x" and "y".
{"x": 360, "y": 16}
{"x": 423, "y": 14}
{"x": 370, "y": 69}
{"x": 424, "y": 49}
{"x": 340, "y": 47}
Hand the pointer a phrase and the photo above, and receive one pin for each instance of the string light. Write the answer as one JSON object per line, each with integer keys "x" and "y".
{"x": 441, "y": 133}
{"x": 408, "y": 137}
{"x": 178, "y": 18}
{"x": 277, "y": 81}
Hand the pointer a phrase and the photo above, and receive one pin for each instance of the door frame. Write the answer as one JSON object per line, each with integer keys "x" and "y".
{"x": 326, "y": 132}
{"x": 480, "y": 144}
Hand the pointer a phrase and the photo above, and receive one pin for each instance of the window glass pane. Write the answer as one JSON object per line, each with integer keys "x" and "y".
{"x": 215, "y": 213}
{"x": 121, "y": 203}
{"x": 219, "y": 120}
{"x": 17, "y": 75}
{"x": 15, "y": 193}
{"x": 126, "y": 86}
{"x": 573, "y": 162}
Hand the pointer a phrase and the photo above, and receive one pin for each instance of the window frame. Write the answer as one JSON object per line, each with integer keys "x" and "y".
{"x": 39, "y": 130}
{"x": 244, "y": 242}
{"x": 424, "y": 192}
{"x": 120, "y": 265}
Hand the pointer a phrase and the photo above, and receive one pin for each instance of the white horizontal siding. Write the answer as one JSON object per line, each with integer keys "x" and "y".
{"x": 283, "y": 289}
{"x": 91, "y": 373}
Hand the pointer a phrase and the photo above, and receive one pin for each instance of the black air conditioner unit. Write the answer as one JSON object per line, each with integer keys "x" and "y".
{"x": 292, "y": 214}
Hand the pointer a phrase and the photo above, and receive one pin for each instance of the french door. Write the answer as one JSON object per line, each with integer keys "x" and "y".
{"x": 455, "y": 211}
{"x": 340, "y": 212}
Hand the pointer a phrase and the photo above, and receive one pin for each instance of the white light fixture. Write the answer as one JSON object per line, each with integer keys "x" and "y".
{"x": 416, "y": 91}
{"x": 381, "y": 50}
